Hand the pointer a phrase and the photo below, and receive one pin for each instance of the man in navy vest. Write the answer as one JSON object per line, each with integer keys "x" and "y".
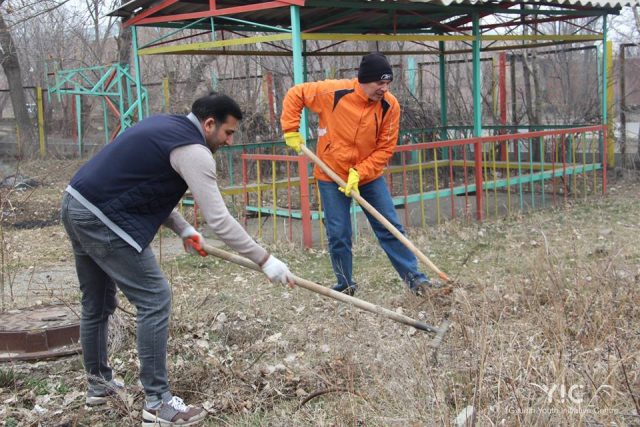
{"x": 112, "y": 209}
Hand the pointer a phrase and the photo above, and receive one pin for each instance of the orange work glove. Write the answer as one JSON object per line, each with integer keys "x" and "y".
{"x": 193, "y": 241}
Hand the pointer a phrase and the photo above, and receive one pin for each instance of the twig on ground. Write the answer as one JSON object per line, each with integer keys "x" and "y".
{"x": 626, "y": 380}
{"x": 329, "y": 390}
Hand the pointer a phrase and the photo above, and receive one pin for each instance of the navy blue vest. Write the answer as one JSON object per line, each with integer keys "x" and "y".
{"x": 131, "y": 179}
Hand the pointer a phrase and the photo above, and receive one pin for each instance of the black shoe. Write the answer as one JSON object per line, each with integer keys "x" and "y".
{"x": 345, "y": 289}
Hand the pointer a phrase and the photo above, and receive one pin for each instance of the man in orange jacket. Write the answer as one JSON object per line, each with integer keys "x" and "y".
{"x": 359, "y": 120}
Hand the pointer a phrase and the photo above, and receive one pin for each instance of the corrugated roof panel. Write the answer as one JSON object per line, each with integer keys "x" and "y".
{"x": 588, "y": 3}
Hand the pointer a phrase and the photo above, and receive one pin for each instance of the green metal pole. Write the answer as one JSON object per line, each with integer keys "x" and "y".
{"x": 121, "y": 103}
{"x": 411, "y": 83}
{"x": 604, "y": 86}
{"x": 298, "y": 77}
{"x": 298, "y": 63}
{"x": 136, "y": 64}
{"x": 214, "y": 75}
{"x": 79, "y": 123}
{"x": 105, "y": 117}
{"x": 477, "y": 113}
{"x": 444, "y": 135}
{"x": 477, "y": 99}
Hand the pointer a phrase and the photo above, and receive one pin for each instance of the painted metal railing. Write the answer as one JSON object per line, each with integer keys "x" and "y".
{"x": 431, "y": 181}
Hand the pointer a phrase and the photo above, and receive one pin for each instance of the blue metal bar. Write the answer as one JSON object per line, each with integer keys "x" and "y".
{"x": 136, "y": 62}
{"x": 267, "y": 27}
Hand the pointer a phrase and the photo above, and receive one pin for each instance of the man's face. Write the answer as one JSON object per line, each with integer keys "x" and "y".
{"x": 376, "y": 90}
{"x": 221, "y": 134}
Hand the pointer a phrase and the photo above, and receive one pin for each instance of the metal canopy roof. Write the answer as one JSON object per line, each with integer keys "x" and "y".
{"x": 350, "y": 16}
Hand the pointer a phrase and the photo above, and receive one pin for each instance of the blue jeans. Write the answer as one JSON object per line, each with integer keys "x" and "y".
{"x": 104, "y": 260}
{"x": 338, "y": 225}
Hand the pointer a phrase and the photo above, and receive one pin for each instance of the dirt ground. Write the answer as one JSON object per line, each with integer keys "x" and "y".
{"x": 545, "y": 325}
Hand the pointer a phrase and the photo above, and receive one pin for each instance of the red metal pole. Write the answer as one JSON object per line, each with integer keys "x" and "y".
{"x": 305, "y": 209}
{"x": 553, "y": 168}
{"x": 270, "y": 97}
{"x": 466, "y": 182}
{"x": 405, "y": 190}
{"x": 564, "y": 168}
{"x": 289, "y": 201}
{"x": 478, "y": 165}
{"x": 453, "y": 198}
{"x": 604, "y": 160}
{"x": 244, "y": 188}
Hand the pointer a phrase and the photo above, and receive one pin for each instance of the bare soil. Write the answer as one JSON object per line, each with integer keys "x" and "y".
{"x": 545, "y": 316}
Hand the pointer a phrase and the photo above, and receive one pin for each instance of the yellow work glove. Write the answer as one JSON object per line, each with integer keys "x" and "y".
{"x": 352, "y": 183}
{"x": 294, "y": 140}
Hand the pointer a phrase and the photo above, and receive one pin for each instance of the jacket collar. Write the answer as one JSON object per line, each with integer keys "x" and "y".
{"x": 192, "y": 117}
{"x": 363, "y": 96}
{"x": 358, "y": 89}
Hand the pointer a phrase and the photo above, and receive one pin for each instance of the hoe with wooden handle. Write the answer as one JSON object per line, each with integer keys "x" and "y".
{"x": 314, "y": 287}
{"x": 377, "y": 215}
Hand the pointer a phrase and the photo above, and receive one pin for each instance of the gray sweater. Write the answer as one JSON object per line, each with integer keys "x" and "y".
{"x": 197, "y": 167}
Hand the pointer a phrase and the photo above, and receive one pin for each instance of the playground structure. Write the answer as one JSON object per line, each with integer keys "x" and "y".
{"x": 113, "y": 84}
{"x": 445, "y": 171}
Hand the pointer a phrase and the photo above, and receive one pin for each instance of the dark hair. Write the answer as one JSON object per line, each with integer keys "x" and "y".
{"x": 216, "y": 105}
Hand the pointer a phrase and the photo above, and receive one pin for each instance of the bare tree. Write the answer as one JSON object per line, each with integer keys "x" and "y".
{"x": 11, "y": 67}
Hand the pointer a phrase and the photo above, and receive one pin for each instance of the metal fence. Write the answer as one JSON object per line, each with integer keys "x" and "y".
{"x": 273, "y": 193}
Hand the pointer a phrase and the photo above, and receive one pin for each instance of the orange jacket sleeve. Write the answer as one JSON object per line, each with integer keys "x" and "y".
{"x": 300, "y": 96}
{"x": 386, "y": 142}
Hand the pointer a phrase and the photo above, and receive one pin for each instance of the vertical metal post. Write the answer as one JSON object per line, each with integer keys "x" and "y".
{"x": 411, "y": 83}
{"x": 165, "y": 93}
{"x": 411, "y": 75}
{"x": 443, "y": 91}
{"x": 305, "y": 206}
{"x": 477, "y": 112}
{"x": 603, "y": 104}
{"x": 136, "y": 64}
{"x": 79, "y": 123}
{"x": 40, "y": 106}
{"x": 303, "y": 165}
{"x": 298, "y": 63}
{"x": 610, "y": 145}
{"x": 105, "y": 118}
{"x": 623, "y": 109}
{"x": 502, "y": 78}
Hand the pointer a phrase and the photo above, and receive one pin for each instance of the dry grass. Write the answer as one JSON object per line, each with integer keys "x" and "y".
{"x": 549, "y": 301}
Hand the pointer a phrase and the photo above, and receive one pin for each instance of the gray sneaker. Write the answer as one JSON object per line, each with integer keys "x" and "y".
{"x": 172, "y": 413}
{"x": 99, "y": 394}
{"x": 422, "y": 288}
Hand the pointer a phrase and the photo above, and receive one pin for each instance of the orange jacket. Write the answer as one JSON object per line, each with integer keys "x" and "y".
{"x": 352, "y": 131}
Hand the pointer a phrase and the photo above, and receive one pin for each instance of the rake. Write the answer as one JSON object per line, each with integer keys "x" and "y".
{"x": 377, "y": 215}
{"x": 364, "y": 305}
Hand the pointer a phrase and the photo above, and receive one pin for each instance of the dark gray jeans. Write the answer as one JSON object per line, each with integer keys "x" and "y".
{"x": 104, "y": 260}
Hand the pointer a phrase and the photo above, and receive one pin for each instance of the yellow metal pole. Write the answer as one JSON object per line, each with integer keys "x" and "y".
{"x": 259, "y": 199}
{"x": 495, "y": 177}
{"x": 43, "y": 147}
{"x": 573, "y": 159}
{"x": 611, "y": 142}
{"x": 435, "y": 161}
{"x": 275, "y": 201}
{"x": 165, "y": 92}
{"x": 422, "y": 213}
{"x": 584, "y": 164}
{"x": 509, "y": 181}
{"x": 320, "y": 214}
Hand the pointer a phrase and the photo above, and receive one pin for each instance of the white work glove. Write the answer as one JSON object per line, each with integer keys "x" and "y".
{"x": 277, "y": 271}
{"x": 193, "y": 241}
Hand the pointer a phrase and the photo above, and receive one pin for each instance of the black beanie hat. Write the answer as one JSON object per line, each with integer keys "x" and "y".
{"x": 374, "y": 67}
